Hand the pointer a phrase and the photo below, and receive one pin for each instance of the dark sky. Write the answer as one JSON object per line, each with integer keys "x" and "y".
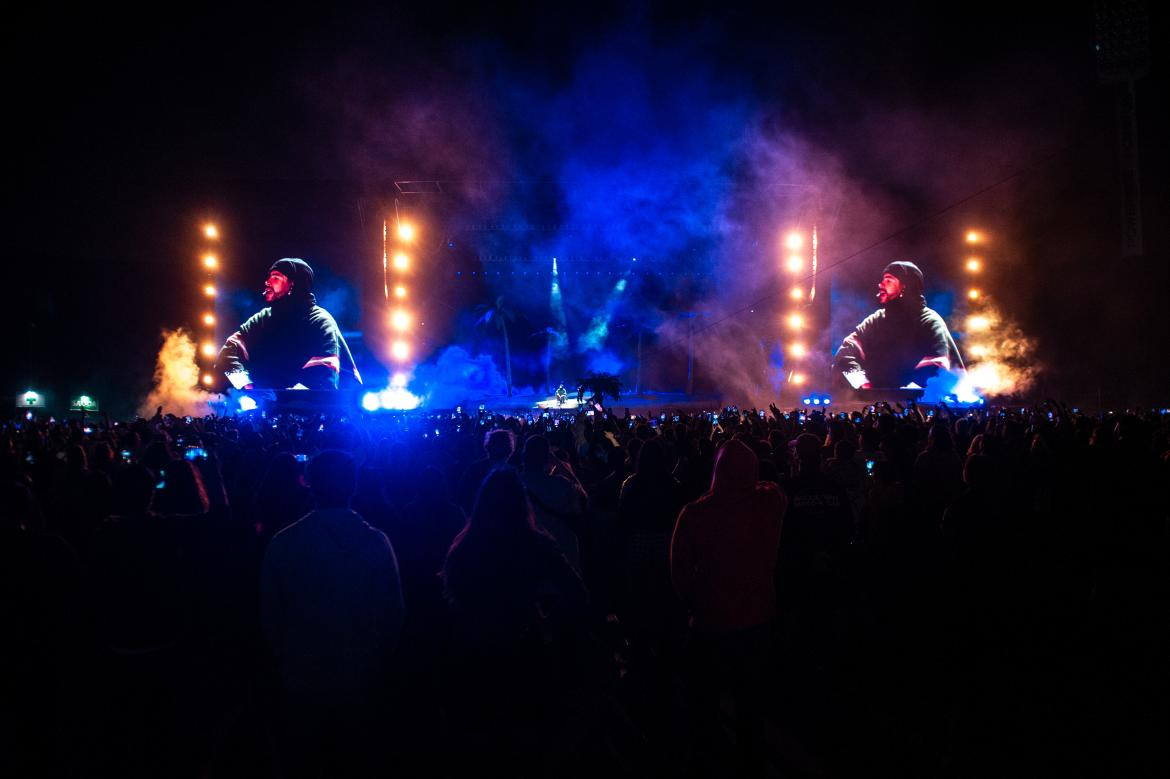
{"x": 290, "y": 127}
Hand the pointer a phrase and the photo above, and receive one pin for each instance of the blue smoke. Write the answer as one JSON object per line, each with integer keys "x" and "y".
{"x": 632, "y": 157}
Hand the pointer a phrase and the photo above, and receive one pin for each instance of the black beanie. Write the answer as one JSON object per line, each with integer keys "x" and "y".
{"x": 909, "y": 274}
{"x": 299, "y": 272}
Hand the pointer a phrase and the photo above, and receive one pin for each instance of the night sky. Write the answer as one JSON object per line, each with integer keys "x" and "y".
{"x": 655, "y": 130}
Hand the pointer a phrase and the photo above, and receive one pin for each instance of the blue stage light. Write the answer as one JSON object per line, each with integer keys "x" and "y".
{"x": 247, "y": 403}
{"x": 827, "y": 400}
{"x": 806, "y": 401}
{"x": 816, "y": 401}
{"x": 371, "y": 402}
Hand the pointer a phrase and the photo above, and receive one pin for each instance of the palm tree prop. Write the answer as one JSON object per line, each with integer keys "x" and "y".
{"x": 599, "y": 385}
{"x": 498, "y": 315}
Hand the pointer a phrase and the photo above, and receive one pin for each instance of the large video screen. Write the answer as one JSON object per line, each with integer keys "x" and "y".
{"x": 903, "y": 343}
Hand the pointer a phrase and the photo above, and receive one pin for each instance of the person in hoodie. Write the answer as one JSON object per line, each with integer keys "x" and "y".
{"x": 902, "y": 343}
{"x": 722, "y": 563}
{"x": 291, "y": 343}
{"x": 332, "y": 611}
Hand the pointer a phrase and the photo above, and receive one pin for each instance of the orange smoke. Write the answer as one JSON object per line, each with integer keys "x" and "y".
{"x": 176, "y": 379}
{"x": 1002, "y": 360}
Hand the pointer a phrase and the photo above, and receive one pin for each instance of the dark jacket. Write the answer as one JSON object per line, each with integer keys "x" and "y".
{"x": 904, "y": 341}
{"x": 293, "y": 341}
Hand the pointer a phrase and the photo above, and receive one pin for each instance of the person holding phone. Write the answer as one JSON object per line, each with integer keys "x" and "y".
{"x": 558, "y": 498}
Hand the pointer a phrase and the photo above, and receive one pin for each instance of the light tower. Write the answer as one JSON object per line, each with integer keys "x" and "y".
{"x": 399, "y": 256}
{"x": 211, "y": 262}
{"x": 798, "y": 323}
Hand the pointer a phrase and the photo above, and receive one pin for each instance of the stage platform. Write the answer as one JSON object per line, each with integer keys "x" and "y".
{"x": 642, "y": 404}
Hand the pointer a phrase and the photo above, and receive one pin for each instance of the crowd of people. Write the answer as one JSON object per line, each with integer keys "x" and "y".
{"x": 735, "y": 592}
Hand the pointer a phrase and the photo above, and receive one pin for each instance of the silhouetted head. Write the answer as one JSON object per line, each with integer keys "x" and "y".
{"x": 736, "y": 468}
{"x": 431, "y": 485}
{"x": 499, "y": 444}
{"x": 501, "y": 506}
{"x": 652, "y": 459}
{"x": 333, "y": 479}
{"x": 134, "y": 489}
{"x": 536, "y": 453}
{"x": 184, "y": 493}
{"x": 808, "y": 452}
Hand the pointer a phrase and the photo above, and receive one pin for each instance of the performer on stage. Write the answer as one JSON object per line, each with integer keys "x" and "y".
{"x": 902, "y": 343}
{"x": 562, "y": 394}
{"x": 291, "y": 343}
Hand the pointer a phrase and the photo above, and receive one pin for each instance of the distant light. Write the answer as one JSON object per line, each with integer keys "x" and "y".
{"x": 797, "y": 293}
{"x": 795, "y": 321}
{"x": 972, "y": 236}
{"x": 398, "y": 399}
{"x": 84, "y": 403}
{"x": 978, "y": 323}
{"x": 211, "y": 231}
{"x": 979, "y": 350}
{"x": 973, "y": 265}
{"x": 30, "y": 399}
{"x": 798, "y": 378}
{"x": 794, "y": 241}
{"x": 797, "y": 350}
{"x": 247, "y": 403}
{"x": 794, "y": 264}
{"x": 208, "y": 349}
{"x": 973, "y": 294}
{"x": 400, "y": 320}
{"x": 210, "y": 261}
{"x": 208, "y": 379}
{"x": 826, "y": 400}
{"x": 816, "y": 401}
{"x": 400, "y": 350}
{"x": 806, "y": 401}
{"x": 370, "y": 401}
{"x": 400, "y": 291}
{"x": 406, "y": 231}
{"x": 398, "y": 380}
{"x": 209, "y": 290}
{"x": 401, "y": 261}
{"x": 209, "y": 319}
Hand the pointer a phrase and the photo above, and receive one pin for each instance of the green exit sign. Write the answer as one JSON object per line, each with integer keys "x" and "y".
{"x": 30, "y": 399}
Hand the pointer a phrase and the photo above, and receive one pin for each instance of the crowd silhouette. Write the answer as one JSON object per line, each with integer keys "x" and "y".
{"x": 898, "y": 590}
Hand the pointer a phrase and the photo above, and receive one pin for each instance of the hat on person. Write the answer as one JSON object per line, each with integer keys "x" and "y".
{"x": 907, "y": 273}
{"x": 299, "y": 272}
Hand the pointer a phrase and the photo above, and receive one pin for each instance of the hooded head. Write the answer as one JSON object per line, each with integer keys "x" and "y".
{"x": 299, "y": 275}
{"x": 737, "y": 469}
{"x": 910, "y": 281}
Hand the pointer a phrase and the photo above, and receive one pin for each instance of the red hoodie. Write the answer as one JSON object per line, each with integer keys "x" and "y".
{"x": 723, "y": 554}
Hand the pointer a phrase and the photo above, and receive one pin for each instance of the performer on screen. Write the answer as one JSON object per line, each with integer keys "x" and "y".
{"x": 292, "y": 342}
{"x": 904, "y": 342}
